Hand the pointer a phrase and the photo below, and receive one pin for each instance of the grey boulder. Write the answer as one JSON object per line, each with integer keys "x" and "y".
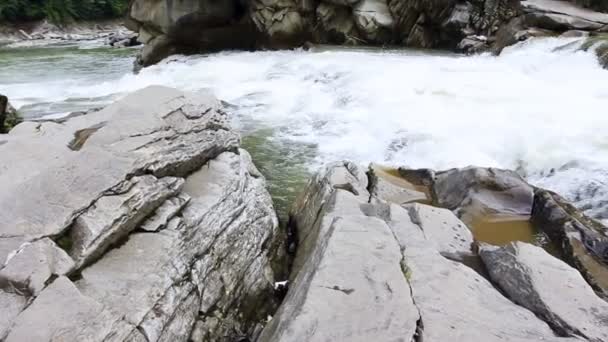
{"x": 477, "y": 192}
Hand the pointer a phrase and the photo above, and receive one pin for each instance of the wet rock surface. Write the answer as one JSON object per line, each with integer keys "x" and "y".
{"x": 143, "y": 221}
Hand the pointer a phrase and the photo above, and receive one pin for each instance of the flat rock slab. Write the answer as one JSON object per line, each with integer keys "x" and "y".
{"x": 443, "y": 229}
{"x": 32, "y": 265}
{"x": 12, "y": 304}
{"x": 351, "y": 289}
{"x": 549, "y": 287}
{"x": 565, "y": 8}
{"x": 455, "y": 302}
{"x": 62, "y": 313}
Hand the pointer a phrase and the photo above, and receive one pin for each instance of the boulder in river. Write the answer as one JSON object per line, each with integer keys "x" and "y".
{"x": 144, "y": 221}
{"x": 473, "y": 192}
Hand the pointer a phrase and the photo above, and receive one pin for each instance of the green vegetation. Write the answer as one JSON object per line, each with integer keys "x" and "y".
{"x": 60, "y": 11}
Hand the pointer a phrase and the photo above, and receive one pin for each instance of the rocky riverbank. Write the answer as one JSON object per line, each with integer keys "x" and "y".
{"x": 146, "y": 221}
{"x": 44, "y": 33}
{"x": 470, "y": 26}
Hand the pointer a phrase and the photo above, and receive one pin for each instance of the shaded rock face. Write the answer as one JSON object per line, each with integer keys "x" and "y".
{"x": 144, "y": 221}
{"x": 168, "y": 27}
{"x": 192, "y": 26}
{"x": 583, "y": 241}
{"x": 368, "y": 269}
{"x": 9, "y": 117}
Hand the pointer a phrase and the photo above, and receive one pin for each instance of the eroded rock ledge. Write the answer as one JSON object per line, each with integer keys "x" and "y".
{"x": 192, "y": 26}
{"x": 144, "y": 221}
{"x": 374, "y": 263}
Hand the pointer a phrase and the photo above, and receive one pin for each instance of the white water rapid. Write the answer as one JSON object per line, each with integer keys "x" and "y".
{"x": 540, "y": 111}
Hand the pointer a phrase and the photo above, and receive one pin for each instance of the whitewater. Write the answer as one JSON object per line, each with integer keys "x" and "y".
{"x": 536, "y": 109}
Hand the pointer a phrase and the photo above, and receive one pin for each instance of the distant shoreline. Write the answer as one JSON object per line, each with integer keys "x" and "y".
{"x": 44, "y": 31}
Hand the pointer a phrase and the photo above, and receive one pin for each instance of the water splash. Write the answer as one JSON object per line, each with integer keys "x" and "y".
{"x": 536, "y": 108}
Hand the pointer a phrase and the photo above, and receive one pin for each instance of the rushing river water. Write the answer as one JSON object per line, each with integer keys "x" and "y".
{"x": 540, "y": 111}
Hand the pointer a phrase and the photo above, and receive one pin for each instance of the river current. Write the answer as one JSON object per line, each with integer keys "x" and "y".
{"x": 535, "y": 109}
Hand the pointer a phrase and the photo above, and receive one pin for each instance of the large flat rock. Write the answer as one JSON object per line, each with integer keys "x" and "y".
{"x": 565, "y": 8}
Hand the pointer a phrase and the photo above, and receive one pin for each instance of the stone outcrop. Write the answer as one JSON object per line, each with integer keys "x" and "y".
{"x": 368, "y": 269}
{"x": 542, "y": 18}
{"x": 143, "y": 221}
{"x": 168, "y": 27}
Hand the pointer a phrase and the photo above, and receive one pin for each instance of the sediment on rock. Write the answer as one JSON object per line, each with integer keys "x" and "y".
{"x": 155, "y": 225}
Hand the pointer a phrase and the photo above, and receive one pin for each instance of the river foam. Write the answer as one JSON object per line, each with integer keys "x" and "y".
{"x": 540, "y": 111}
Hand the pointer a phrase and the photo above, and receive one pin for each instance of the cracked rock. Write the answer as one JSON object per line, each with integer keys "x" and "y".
{"x": 158, "y": 207}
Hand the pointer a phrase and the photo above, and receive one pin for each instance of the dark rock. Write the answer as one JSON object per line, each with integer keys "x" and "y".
{"x": 9, "y": 117}
{"x": 596, "y": 5}
{"x": 582, "y": 240}
{"x": 477, "y": 192}
{"x": 120, "y": 40}
{"x": 204, "y": 26}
